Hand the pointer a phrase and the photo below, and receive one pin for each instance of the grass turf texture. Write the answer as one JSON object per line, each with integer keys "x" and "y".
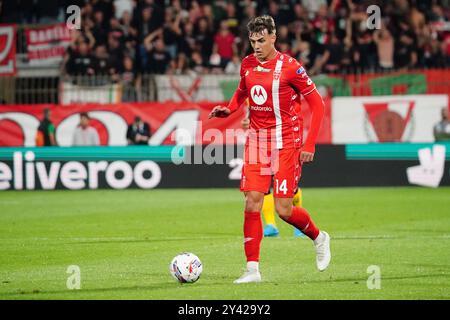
{"x": 123, "y": 242}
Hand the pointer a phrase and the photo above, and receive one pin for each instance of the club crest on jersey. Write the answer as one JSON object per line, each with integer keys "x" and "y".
{"x": 258, "y": 94}
{"x": 276, "y": 75}
{"x": 261, "y": 69}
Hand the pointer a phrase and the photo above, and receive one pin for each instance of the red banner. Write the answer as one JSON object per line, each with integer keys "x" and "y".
{"x": 18, "y": 123}
{"x": 7, "y": 49}
{"x": 47, "y": 44}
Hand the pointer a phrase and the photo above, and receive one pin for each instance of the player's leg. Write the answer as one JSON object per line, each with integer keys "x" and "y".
{"x": 254, "y": 185}
{"x": 268, "y": 211}
{"x": 253, "y": 225}
{"x": 300, "y": 218}
{"x": 297, "y": 202}
{"x": 285, "y": 184}
{"x": 253, "y": 234}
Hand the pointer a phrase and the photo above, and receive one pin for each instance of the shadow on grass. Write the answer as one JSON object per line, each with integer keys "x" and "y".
{"x": 383, "y": 278}
{"x": 35, "y": 293}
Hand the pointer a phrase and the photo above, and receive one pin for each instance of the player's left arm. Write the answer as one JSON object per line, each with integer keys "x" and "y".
{"x": 301, "y": 83}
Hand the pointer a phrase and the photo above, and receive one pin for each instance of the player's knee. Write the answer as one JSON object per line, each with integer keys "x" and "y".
{"x": 283, "y": 210}
{"x": 253, "y": 202}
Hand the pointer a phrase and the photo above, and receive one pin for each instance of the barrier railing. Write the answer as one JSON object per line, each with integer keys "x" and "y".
{"x": 146, "y": 87}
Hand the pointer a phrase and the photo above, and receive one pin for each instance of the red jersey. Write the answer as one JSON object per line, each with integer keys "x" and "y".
{"x": 272, "y": 88}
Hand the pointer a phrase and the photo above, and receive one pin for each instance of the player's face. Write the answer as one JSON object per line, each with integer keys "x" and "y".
{"x": 262, "y": 43}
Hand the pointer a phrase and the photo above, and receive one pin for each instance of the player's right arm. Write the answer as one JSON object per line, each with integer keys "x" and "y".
{"x": 236, "y": 101}
{"x": 245, "y": 123}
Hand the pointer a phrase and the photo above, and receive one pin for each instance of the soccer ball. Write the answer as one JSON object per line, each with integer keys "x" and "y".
{"x": 186, "y": 267}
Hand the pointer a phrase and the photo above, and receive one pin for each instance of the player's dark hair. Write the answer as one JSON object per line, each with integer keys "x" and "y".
{"x": 258, "y": 24}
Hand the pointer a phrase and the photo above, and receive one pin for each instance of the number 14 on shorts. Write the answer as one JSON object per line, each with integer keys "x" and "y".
{"x": 281, "y": 187}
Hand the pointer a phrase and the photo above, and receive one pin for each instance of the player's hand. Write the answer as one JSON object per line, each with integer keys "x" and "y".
{"x": 219, "y": 112}
{"x": 245, "y": 123}
{"x": 306, "y": 156}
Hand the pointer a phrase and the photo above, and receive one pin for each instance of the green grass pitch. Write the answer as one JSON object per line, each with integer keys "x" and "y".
{"x": 123, "y": 242}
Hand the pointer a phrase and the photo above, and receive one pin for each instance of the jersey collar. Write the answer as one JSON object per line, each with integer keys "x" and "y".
{"x": 269, "y": 61}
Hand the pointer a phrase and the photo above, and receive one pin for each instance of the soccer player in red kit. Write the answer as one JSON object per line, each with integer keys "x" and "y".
{"x": 274, "y": 148}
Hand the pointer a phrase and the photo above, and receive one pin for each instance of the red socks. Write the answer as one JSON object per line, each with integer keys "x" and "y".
{"x": 253, "y": 234}
{"x": 253, "y": 231}
{"x": 302, "y": 221}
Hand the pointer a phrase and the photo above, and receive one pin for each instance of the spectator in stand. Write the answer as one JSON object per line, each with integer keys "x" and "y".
{"x": 84, "y": 134}
{"x": 405, "y": 51}
{"x": 129, "y": 80}
{"x": 285, "y": 47}
{"x": 231, "y": 18}
{"x": 128, "y": 30}
{"x": 158, "y": 57}
{"x": 102, "y": 65}
{"x": 105, "y": 6}
{"x": 281, "y": 12}
{"x": 365, "y": 51}
{"x": 348, "y": 55}
{"x": 197, "y": 64}
{"x": 116, "y": 53}
{"x": 234, "y": 66}
{"x": 171, "y": 32}
{"x": 100, "y": 28}
{"x": 313, "y": 6}
{"x": 81, "y": 62}
{"x": 179, "y": 65}
{"x": 224, "y": 44}
{"x": 203, "y": 38}
{"x": 385, "y": 48}
{"x": 179, "y": 10}
{"x": 186, "y": 43}
{"x": 283, "y": 34}
{"x": 147, "y": 23}
{"x": 249, "y": 9}
{"x": 116, "y": 29}
{"x": 195, "y": 11}
{"x": 122, "y": 6}
{"x": 332, "y": 57}
{"x": 414, "y": 33}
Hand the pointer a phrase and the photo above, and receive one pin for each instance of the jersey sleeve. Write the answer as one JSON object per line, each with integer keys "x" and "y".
{"x": 299, "y": 79}
{"x": 303, "y": 85}
{"x": 241, "y": 92}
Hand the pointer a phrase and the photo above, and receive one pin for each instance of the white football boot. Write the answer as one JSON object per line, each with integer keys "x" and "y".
{"x": 251, "y": 275}
{"x": 323, "y": 254}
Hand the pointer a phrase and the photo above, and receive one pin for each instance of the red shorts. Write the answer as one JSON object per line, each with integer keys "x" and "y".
{"x": 281, "y": 165}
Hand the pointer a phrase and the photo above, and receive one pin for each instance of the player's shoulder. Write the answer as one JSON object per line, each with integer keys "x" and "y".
{"x": 290, "y": 62}
{"x": 249, "y": 60}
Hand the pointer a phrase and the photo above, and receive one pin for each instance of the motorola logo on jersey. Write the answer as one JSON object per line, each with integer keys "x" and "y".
{"x": 259, "y": 94}
{"x": 261, "y": 108}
